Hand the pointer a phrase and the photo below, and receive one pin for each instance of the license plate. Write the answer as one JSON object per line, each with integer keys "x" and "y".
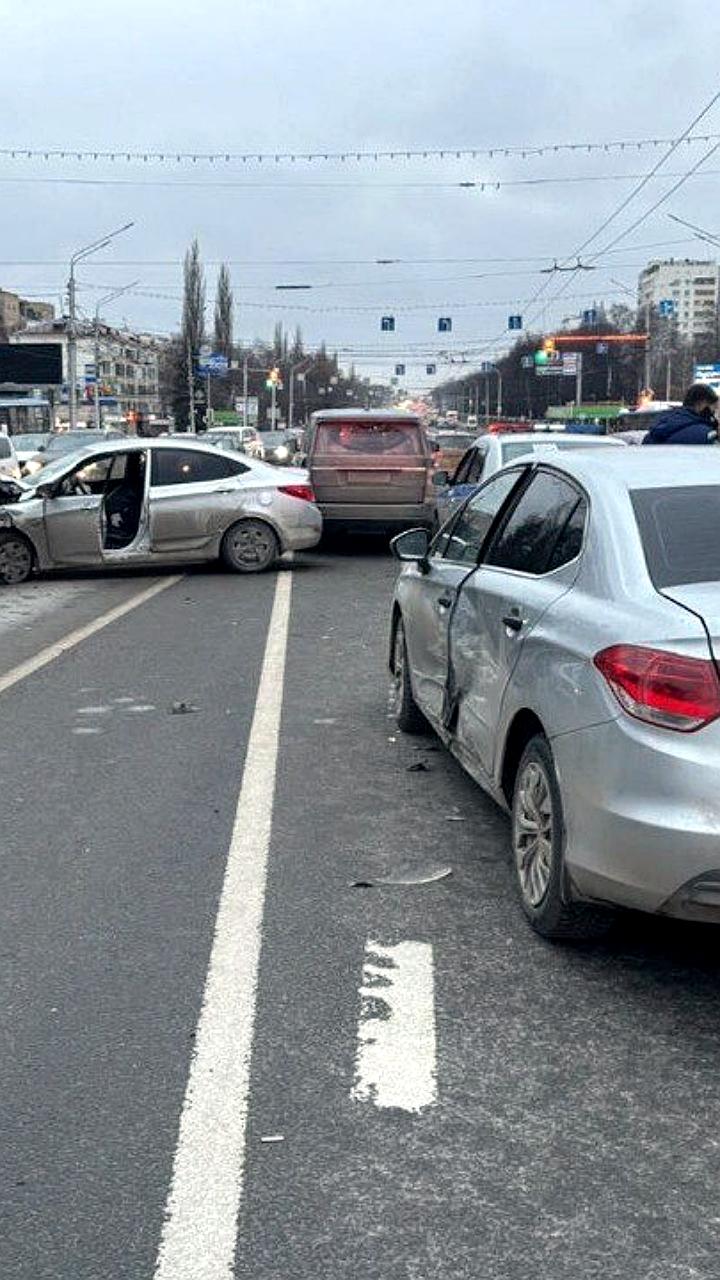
{"x": 369, "y": 477}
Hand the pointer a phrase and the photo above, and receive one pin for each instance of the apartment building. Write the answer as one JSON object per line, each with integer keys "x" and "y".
{"x": 125, "y": 365}
{"x": 691, "y": 286}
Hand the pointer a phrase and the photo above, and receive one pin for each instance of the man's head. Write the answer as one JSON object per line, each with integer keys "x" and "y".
{"x": 701, "y": 399}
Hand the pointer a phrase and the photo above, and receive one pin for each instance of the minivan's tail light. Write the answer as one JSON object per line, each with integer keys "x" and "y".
{"x": 661, "y": 688}
{"x": 303, "y": 491}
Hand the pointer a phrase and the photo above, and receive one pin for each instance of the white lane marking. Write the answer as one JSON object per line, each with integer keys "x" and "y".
{"x": 73, "y": 638}
{"x": 396, "y": 1062}
{"x": 200, "y": 1229}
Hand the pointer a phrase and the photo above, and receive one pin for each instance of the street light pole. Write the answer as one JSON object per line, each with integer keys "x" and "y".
{"x": 109, "y": 297}
{"x": 308, "y": 360}
{"x": 76, "y": 257}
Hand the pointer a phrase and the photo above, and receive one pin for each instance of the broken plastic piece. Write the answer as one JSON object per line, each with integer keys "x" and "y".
{"x": 419, "y": 767}
{"x": 427, "y": 876}
{"x": 183, "y": 708}
{"x": 273, "y": 1137}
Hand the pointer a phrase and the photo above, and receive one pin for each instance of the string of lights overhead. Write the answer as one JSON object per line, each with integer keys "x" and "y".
{"x": 526, "y": 151}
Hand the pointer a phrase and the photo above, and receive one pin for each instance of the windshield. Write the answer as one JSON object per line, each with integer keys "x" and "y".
{"x": 343, "y": 438}
{"x": 454, "y": 440}
{"x": 30, "y": 441}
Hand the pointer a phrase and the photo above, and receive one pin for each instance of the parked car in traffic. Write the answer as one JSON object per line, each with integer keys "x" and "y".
{"x": 238, "y": 439}
{"x": 279, "y": 447}
{"x": 27, "y": 446}
{"x": 450, "y": 448}
{"x": 60, "y": 443}
{"x": 155, "y": 501}
{"x": 370, "y": 469}
{"x": 9, "y": 462}
{"x": 489, "y": 453}
{"x": 561, "y": 634}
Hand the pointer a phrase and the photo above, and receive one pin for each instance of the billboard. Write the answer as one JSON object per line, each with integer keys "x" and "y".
{"x": 31, "y": 364}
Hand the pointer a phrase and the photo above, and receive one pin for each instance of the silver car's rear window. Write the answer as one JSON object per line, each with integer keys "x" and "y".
{"x": 680, "y": 531}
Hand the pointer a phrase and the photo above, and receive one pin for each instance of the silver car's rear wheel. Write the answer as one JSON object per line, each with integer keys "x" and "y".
{"x": 533, "y": 833}
{"x": 250, "y": 546}
{"x": 16, "y": 559}
{"x": 538, "y": 844}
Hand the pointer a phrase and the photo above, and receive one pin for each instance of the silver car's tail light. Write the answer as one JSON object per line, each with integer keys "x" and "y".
{"x": 302, "y": 491}
{"x": 665, "y": 689}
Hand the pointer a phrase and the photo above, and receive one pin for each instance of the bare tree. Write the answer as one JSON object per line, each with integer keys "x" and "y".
{"x": 224, "y": 313}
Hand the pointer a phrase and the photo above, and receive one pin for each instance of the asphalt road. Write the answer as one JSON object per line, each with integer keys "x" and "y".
{"x": 454, "y": 1098}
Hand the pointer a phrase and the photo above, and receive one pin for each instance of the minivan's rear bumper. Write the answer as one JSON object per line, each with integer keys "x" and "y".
{"x": 376, "y": 515}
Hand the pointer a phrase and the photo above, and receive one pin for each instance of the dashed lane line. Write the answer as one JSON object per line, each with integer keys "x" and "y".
{"x": 396, "y": 1060}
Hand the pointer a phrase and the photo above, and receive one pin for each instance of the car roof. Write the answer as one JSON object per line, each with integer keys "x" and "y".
{"x": 659, "y": 467}
{"x": 364, "y": 415}
{"x": 125, "y": 443}
{"x": 546, "y": 437}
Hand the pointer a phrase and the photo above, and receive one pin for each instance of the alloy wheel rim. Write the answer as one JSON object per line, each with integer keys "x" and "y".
{"x": 533, "y": 834}
{"x": 15, "y": 561}
{"x": 398, "y": 667}
{"x": 252, "y": 546}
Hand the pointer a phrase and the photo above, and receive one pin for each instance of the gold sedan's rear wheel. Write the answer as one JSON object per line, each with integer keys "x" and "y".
{"x": 250, "y": 546}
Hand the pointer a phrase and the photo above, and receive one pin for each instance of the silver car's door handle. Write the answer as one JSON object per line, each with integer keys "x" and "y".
{"x": 513, "y": 622}
{"x": 444, "y": 602}
{"x": 228, "y": 490}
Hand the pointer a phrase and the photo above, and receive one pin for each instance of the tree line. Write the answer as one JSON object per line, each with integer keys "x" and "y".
{"x": 318, "y": 380}
{"x": 613, "y": 372}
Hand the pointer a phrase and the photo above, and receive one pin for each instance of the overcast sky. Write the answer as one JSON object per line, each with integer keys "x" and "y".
{"x": 245, "y": 76}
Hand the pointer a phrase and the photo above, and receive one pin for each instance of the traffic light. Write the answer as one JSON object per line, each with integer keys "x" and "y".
{"x": 273, "y": 379}
{"x": 547, "y": 352}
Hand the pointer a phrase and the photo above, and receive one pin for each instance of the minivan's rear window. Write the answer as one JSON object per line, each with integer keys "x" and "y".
{"x": 345, "y": 439}
{"x": 680, "y": 531}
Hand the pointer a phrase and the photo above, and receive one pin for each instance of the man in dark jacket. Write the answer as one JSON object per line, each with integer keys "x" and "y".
{"x": 693, "y": 423}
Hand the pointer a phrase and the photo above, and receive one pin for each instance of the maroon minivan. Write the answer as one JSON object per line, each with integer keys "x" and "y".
{"x": 370, "y": 469}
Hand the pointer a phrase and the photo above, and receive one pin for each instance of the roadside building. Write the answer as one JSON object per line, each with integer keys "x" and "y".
{"x": 125, "y": 364}
{"x": 691, "y": 285}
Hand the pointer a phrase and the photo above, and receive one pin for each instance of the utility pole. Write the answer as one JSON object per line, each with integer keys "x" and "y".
{"x": 579, "y": 380}
{"x": 499, "y": 393}
{"x": 487, "y": 395}
{"x": 647, "y": 373}
{"x": 273, "y": 402}
{"x": 191, "y": 389}
{"x": 76, "y": 257}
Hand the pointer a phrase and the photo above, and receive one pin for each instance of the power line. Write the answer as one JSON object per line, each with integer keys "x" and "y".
{"x": 482, "y": 185}
{"x": 310, "y": 262}
{"x": 523, "y": 151}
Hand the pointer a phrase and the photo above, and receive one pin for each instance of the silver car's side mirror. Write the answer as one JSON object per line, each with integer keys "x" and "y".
{"x": 45, "y": 490}
{"x": 413, "y": 545}
{"x": 440, "y": 479}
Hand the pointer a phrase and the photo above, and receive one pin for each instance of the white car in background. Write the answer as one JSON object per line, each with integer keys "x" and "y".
{"x": 495, "y": 450}
{"x": 9, "y": 464}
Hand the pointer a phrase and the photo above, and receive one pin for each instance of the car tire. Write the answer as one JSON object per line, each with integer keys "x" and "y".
{"x": 16, "y": 558}
{"x": 408, "y": 715}
{"x": 538, "y": 852}
{"x": 250, "y": 546}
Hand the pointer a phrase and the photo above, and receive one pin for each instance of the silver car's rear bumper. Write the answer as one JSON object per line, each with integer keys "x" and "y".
{"x": 642, "y": 812}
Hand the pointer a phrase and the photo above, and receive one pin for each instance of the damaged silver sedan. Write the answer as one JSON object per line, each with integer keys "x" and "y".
{"x": 148, "y": 502}
{"x": 562, "y": 635}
